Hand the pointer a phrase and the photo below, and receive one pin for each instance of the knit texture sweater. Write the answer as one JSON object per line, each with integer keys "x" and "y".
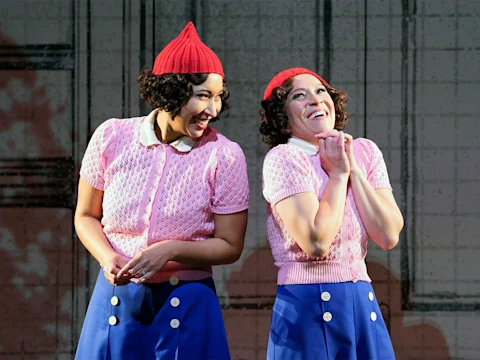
{"x": 155, "y": 193}
{"x": 288, "y": 170}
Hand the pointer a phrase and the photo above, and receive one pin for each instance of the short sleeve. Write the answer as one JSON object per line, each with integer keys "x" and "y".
{"x": 286, "y": 172}
{"x": 231, "y": 190}
{"x": 97, "y": 155}
{"x": 377, "y": 174}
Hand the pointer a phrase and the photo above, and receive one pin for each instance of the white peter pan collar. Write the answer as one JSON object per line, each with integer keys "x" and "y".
{"x": 308, "y": 148}
{"x": 148, "y": 137}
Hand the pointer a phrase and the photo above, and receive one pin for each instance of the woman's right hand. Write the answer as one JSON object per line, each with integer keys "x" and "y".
{"x": 111, "y": 266}
{"x": 333, "y": 155}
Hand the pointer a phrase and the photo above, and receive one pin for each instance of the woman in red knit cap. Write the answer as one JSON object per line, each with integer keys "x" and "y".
{"x": 327, "y": 194}
{"x": 161, "y": 199}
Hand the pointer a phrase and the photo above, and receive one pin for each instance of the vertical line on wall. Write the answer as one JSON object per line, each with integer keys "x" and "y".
{"x": 89, "y": 116}
{"x": 413, "y": 119}
{"x": 317, "y": 37}
{"x": 129, "y": 66}
{"x": 404, "y": 177}
{"x": 327, "y": 39}
{"x": 365, "y": 69}
{"x": 153, "y": 31}
{"x": 456, "y": 162}
{"x": 74, "y": 119}
{"x": 75, "y": 262}
{"x": 193, "y": 12}
{"x": 123, "y": 56}
{"x": 143, "y": 33}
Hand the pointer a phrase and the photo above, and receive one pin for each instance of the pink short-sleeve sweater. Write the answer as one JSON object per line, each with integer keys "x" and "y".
{"x": 155, "y": 193}
{"x": 287, "y": 170}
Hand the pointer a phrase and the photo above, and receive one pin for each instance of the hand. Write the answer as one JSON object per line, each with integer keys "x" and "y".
{"x": 333, "y": 154}
{"x": 349, "y": 150}
{"x": 111, "y": 266}
{"x": 147, "y": 262}
{"x": 348, "y": 145}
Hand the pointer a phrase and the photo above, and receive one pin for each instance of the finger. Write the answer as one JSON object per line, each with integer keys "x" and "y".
{"x": 109, "y": 270}
{"x": 349, "y": 151}
{"x": 109, "y": 278}
{"x": 121, "y": 262}
{"x": 121, "y": 282}
{"x": 126, "y": 268}
{"x": 348, "y": 137}
{"x": 341, "y": 142}
{"x": 137, "y": 274}
{"x": 331, "y": 133}
{"x": 331, "y": 146}
{"x": 348, "y": 143}
{"x": 140, "y": 269}
{"x": 321, "y": 147}
{"x": 145, "y": 277}
{"x": 322, "y": 135}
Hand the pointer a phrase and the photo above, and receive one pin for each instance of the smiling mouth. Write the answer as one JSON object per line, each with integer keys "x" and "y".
{"x": 201, "y": 122}
{"x": 317, "y": 114}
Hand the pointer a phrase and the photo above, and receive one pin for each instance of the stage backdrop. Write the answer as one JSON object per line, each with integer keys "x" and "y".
{"x": 410, "y": 68}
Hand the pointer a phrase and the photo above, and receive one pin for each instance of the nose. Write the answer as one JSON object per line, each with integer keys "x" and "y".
{"x": 211, "y": 109}
{"x": 314, "y": 99}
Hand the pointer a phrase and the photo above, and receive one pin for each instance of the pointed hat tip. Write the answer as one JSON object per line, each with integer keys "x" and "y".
{"x": 189, "y": 29}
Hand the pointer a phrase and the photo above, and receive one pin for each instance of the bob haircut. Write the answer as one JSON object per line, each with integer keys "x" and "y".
{"x": 170, "y": 92}
{"x": 275, "y": 127}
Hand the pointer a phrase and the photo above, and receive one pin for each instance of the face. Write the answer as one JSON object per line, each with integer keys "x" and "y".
{"x": 203, "y": 106}
{"x": 310, "y": 108}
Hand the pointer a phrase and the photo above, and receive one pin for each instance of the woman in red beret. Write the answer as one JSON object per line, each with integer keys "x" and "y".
{"x": 327, "y": 194}
{"x": 161, "y": 199}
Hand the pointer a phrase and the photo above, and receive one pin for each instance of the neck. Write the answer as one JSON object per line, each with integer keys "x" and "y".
{"x": 163, "y": 130}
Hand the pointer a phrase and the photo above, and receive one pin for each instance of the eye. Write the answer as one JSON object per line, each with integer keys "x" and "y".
{"x": 202, "y": 96}
{"x": 298, "y": 95}
{"x": 320, "y": 90}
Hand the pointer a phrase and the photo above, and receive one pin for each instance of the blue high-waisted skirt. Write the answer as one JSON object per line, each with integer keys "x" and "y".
{"x": 176, "y": 320}
{"x": 337, "y": 321}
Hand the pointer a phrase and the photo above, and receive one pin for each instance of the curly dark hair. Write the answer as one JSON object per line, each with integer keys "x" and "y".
{"x": 275, "y": 127}
{"x": 170, "y": 92}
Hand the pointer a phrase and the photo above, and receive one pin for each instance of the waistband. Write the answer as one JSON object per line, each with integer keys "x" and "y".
{"x": 314, "y": 272}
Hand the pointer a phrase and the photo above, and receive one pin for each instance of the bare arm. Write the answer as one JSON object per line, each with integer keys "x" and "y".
{"x": 378, "y": 210}
{"x": 313, "y": 224}
{"x": 90, "y": 231}
{"x": 225, "y": 247}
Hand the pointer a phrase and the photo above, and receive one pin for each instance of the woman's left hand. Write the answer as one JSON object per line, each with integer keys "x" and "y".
{"x": 348, "y": 145}
{"x": 147, "y": 262}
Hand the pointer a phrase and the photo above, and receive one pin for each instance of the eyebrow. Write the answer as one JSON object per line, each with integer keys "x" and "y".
{"x": 304, "y": 89}
{"x": 295, "y": 90}
{"x": 208, "y": 91}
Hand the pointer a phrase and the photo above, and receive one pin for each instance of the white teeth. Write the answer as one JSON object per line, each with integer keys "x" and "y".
{"x": 317, "y": 113}
{"x": 202, "y": 122}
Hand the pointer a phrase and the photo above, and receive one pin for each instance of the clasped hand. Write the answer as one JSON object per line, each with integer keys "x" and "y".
{"x": 140, "y": 268}
{"x": 336, "y": 153}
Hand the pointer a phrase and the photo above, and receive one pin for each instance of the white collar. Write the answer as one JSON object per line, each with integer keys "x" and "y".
{"x": 308, "y": 148}
{"x": 148, "y": 137}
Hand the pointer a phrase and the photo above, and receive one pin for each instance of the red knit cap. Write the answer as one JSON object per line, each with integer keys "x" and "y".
{"x": 187, "y": 54}
{"x": 283, "y": 76}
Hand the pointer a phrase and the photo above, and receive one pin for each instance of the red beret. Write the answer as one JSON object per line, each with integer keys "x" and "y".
{"x": 283, "y": 76}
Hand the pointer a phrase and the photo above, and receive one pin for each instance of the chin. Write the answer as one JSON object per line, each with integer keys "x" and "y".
{"x": 196, "y": 134}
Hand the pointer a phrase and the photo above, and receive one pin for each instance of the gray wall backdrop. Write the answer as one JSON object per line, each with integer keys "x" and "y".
{"x": 410, "y": 67}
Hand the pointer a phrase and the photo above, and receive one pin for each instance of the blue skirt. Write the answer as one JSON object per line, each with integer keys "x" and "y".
{"x": 176, "y": 320}
{"x": 340, "y": 321}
